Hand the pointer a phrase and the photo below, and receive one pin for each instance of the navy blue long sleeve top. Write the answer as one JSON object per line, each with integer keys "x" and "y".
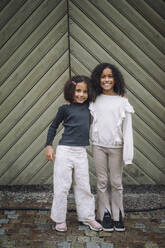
{"x": 76, "y": 121}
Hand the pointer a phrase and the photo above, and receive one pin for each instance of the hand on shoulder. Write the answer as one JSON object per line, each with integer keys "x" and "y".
{"x": 127, "y": 166}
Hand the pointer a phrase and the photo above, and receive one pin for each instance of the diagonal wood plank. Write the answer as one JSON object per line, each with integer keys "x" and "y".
{"x": 42, "y": 43}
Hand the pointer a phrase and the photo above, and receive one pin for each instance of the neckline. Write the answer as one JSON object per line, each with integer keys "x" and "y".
{"x": 109, "y": 95}
{"x": 77, "y": 103}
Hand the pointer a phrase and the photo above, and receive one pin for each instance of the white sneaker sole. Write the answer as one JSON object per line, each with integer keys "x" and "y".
{"x": 60, "y": 230}
{"x": 92, "y": 228}
{"x": 120, "y": 230}
{"x": 108, "y": 229}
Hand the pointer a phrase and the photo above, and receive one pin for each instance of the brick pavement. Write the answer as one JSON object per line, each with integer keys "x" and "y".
{"x": 34, "y": 228}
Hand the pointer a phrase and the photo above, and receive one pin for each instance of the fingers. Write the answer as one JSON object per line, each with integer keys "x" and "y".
{"x": 50, "y": 153}
{"x": 50, "y": 157}
{"x": 127, "y": 166}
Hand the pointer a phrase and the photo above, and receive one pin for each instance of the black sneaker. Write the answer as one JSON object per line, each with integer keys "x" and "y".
{"x": 119, "y": 225}
{"x": 108, "y": 225}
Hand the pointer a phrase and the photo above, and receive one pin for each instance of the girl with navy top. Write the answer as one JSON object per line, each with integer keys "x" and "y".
{"x": 71, "y": 156}
{"x": 112, "y": 139}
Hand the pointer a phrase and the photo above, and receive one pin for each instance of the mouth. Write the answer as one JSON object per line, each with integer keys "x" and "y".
{"x": 81, "y": 99}
{"x": 107, "y": 84}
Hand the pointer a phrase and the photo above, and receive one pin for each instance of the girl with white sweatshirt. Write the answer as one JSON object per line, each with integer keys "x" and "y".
{"x": 112, "y": 139}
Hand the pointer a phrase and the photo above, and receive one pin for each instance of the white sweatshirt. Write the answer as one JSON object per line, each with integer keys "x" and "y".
{"x": 112, "y": 124}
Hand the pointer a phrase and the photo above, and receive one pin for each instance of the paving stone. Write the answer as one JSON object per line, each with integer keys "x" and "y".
{"x": 162, "y": 225}
{"x": 63, "y": 245}
{"x": 43, "y": 227}
{"x": 49, "y": 244}
{"x": 8, "y": 244}
{"x": 4, "y": 221}
{"x": 4, "y": 237}
{"x": 151, "y": 245}
{"x": 10, "y": 212}
{"x": 92, "y": 245}
{"x": 105, "y": 234}
{"x": 134, "y": 216}
{"x": 83, "y": 239}
{"x": 43, "y": 213}
{"x": 140, "y": 226}
{"x": 96, "y": 239}
{"x": 24, "y": 243}
{"x": 36, "y": 244}
{"x": 52, "y": 237}
{"x": 53, "y": 244}
{"x": 83, "y": 228}
{"x": 162, "y": 220}
{"x": 40, "y": 220}
{"x": 91, "y": 233}
{"x": 130, "y": 245}
{"x": 15, "y": 221}
{"x": 2, "y": 231}
{"x": 77, "y": 245}
{"x": 13, "y": 216}
{"x": 107, "y": 245}
{"x": 71, "y": 238}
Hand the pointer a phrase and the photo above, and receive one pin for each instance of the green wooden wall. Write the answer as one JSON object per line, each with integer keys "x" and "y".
{"x": 42, "y": 42}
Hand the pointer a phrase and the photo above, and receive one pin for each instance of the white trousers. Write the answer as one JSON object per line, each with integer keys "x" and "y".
{"x": 71, "y": 161}
{"x": 109, "y": 168}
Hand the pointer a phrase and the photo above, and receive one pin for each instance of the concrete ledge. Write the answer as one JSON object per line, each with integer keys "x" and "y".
{"x": 159, "y": 188}
{"x": 136, "y": 198}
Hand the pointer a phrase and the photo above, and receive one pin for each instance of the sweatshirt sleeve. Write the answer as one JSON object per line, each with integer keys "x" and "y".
{"x": 128, "y": 135}
{"x": 53, "y": 127}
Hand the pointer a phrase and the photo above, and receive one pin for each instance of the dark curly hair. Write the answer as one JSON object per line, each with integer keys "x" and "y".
{"x": 70, "y": 86}
{"x": 119, "y": 86}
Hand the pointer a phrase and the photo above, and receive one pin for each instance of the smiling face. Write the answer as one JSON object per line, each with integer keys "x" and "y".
{"x": 81, "y": 92}
{"x": 107, "y": 82}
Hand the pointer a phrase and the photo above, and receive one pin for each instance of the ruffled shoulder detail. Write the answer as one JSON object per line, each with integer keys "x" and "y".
{"x": 126, "y": 108}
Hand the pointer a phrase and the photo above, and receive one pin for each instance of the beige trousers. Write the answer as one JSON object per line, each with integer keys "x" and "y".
{"x": 109, "y": 167}
{"x": 72, "y": 162}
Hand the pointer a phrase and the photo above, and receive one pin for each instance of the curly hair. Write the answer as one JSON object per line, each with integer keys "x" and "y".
{"x": 69, "y": 88}
{"x": 119, "y": 86}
